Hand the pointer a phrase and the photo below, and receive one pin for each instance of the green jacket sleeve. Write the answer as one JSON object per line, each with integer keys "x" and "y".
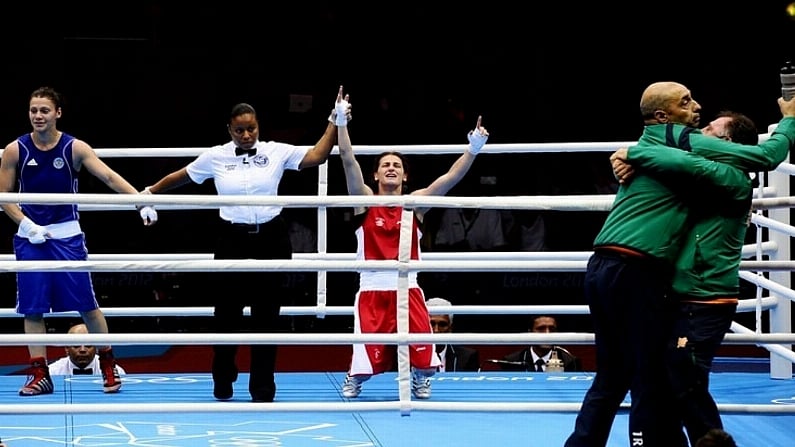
{"x": 681, "y": 171}
{"x": 763, "y": 157}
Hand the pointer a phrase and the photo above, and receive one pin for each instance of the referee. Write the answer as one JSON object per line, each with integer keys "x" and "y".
{"x": 247, "y": 166}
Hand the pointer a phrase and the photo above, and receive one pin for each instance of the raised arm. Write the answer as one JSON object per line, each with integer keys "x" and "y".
{"x": 763, "y": 157}
{"x": 446, "y": 182}
{"x": 321, "y": 150}
{"x": 353, "y": 172}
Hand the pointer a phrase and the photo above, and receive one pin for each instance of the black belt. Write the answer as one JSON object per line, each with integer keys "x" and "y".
{"x": 247, "y": 228}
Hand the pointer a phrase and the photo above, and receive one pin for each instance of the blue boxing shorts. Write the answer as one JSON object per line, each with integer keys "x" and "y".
{"x": 49, "y": 291}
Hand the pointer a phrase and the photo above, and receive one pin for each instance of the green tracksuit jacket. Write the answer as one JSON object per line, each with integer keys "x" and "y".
{"x": 651, "y": 213}
{"x": 708, "y": 265}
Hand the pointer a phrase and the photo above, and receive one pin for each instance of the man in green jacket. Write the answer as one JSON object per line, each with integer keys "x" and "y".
{"x": 632, "y": 268}
{"x": 706, "y": 285}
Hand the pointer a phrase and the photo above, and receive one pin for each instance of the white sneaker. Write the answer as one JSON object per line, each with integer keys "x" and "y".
{"x": 420, "y": 385}
{"x": 353, "y": 385}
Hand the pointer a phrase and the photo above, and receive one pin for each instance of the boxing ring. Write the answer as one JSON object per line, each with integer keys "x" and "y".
{"x": 487, "y": 407}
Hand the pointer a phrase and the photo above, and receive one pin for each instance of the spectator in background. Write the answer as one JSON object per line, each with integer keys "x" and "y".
{"x": 470, "y": 229}
{"x": 530, "y": 230}
{"x": 301, "y": 229}
{"x": 453, "y": 357}
{"x": 604, "y": 182}
{"x": 536, "y": 357}
{"x": 80, "y": 359}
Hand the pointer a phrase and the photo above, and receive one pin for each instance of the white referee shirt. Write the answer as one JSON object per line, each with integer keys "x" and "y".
{"x": 244, "y": 175}
{"x": 65, "y": 367}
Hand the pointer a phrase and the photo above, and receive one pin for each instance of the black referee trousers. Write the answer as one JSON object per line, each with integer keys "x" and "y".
{"x": 262, "y": 290}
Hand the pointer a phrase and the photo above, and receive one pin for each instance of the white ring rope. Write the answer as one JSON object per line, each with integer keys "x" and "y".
{"x": 207, "y": 338}
{"x": 593, "y": 202}
{"x": 326, "y": 407}
{"x": 773, "y": 286}
{"x": 737, "y": 328}
{"x": 748, "y": 250}
{"x": 584, "y": 202}
{"x": 258, "y": 265}
{"x": 763, "y": 221}
{"x": 745, "y": 305}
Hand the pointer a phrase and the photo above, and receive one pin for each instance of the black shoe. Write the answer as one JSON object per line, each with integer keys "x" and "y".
{"x": 222, "y": 390}
{"x": 265, "y": 394}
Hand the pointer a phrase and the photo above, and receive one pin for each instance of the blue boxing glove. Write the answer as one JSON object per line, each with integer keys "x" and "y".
{"x": 36, "y": 234}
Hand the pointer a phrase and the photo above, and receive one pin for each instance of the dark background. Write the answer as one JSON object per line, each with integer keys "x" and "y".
{"x": 166, "y": 74}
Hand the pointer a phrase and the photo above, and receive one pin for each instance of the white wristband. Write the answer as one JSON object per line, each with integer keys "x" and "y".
{"x": 341, "y": 113}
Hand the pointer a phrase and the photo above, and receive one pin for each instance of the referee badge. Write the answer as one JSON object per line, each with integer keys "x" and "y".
{"x": 261, "y": 160}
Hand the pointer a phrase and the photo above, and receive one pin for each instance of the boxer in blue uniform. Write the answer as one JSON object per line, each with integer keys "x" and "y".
{"x": 49, "y": 161}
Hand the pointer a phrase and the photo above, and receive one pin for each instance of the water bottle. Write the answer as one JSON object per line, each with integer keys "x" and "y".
{"x": 788, "y": 80}
{"x": 554, "y": 364}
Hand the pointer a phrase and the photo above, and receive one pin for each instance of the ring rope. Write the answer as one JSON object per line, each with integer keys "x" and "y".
{"x": 259, "y": 265}
{"x": 584, "y": 202}
{"x": 744, "y": 305}
{"x": 207, "y": 338}
{"x": 748, "y": 250}
{"x": 258, "y": 407}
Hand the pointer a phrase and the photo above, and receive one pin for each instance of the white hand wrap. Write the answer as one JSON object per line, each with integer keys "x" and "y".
{"x": 341, "y": 111}
{"x": 36, "y": 234}
{"x": 476, "y": 141}
{"x": 148, "y": 214}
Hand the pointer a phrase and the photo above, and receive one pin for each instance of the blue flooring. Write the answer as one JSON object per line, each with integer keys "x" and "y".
{"x": 418, "y": 428}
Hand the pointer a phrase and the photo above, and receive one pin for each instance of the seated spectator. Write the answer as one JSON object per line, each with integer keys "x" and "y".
{"x": 470, "y": 229}
{"x": 79, "y": 359}
{"x": 536, "y": 357}
{"x": 531, "y": 231}
{"x": 454, "y": 358}
{"x": 716, "y": 437}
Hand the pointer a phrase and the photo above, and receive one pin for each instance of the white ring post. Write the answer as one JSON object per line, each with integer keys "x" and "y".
{"x": 781, "y": 316}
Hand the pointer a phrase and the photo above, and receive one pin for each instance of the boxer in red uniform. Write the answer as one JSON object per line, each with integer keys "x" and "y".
{"x": 378, "y": 236}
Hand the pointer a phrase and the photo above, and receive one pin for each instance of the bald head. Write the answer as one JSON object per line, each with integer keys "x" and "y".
{"x": 81, "y": 355}
{"x": 669, "y": 102}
